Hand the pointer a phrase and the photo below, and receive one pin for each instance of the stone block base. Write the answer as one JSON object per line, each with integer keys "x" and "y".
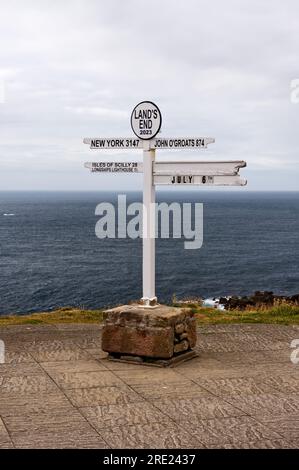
{"x": 145, "y": 335}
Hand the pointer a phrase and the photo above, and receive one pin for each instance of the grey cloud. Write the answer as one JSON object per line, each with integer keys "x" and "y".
{"x": 77, "y": 68}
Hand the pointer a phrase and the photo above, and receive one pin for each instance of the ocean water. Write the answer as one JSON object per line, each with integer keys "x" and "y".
{"x": 50, "y": 256}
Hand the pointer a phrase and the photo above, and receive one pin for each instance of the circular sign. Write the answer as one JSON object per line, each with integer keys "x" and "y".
{"x": 146, "y": 120}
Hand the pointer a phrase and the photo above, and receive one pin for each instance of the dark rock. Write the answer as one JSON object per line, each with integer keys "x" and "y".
{"x": 241, "y": 303}
{"x": 295, "y": 299}
{"x": 238, "y": 303}
{"x": 182, "y": 346}
{"x": 263, "y": 298}
{"x": 183, "y": 336}
{"x": 179, "y": 328}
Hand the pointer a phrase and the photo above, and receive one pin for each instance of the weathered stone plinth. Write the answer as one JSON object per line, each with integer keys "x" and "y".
{"x": 161, "y": 335}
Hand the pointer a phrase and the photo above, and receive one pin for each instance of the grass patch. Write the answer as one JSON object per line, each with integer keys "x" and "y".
{"x": 282, "y": 314}
{"x": 61, "y": 315}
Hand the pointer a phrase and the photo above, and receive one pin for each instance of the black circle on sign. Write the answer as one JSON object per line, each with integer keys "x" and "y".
{"x": 152, "y": 136}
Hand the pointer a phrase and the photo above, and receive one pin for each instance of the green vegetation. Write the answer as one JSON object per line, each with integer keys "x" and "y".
{"x": 280, "y": 314}
{"x": 61, "y": 315}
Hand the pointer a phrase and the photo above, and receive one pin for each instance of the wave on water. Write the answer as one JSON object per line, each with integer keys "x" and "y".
{"x": 50, "y": 256}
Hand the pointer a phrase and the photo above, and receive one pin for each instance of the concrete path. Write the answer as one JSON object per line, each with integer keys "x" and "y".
{"x": 57, "y": 390}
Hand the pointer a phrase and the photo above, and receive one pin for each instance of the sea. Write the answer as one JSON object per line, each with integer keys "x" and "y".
{"x": 51, "y": 257}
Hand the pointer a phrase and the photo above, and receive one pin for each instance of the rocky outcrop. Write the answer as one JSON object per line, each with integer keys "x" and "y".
{"x": 258, "y": 299}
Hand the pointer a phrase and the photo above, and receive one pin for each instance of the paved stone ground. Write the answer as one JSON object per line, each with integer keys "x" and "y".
{"x": 57, "y": 390}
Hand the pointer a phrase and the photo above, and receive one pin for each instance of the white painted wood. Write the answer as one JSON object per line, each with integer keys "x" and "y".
{"x": 181, "y": 142}
{"x": 114, "y": 167}
{"x": 208, "y": 180}
{"x": 119, "y": 143}
{"x": 197, "y": 168}
{"x": 148, "y": 254}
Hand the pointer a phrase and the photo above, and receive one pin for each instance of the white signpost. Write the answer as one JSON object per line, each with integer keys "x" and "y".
{"x": 121, "y": 143}
{"x": 146, "y": 123}
{"x": 207, "y": 180}
{"x": 198, "y": 168}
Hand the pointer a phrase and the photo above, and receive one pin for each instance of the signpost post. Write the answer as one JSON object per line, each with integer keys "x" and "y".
{"x": 146, "y": 121}
{"x": 149, "y": 227}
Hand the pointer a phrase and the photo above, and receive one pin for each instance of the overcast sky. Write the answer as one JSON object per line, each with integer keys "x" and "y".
{"x": 217, "y": 68}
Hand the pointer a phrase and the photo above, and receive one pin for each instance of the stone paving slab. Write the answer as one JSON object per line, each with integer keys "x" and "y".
{"x": 72, "y": 366}
{"x": 235, "y": 386}
{"x": 17, "y": 356}
{"x": 266, "y": 404}
{"x": 96, "y": 353}
{"x": 56, "y": 350}
{"x": 59, "y": 390}
{"x": 5, "y": 441}
{"x": 128, "y": 414}
{"x": 282, "y": 355}
{"x": 60, "y": 437}
{"x": 112, "y": 395}
{"x": 287, "y": 425}
{"x": 195, "y": 409}
{"x": 38, "y": 422}
{"x": 25, "y": 404}
{"x": 17, "y": 369}
{"x": 26, "y": 384}
{"x": 231, "y": 431}
{"x": 255, "y": 357}
{"x": 143, "y": 376}
{"x": 184, "y": 388}
{"x": 154, "y": 436}
{"x": 72, "y": 380}
{"x": 266, "y": 444}
{"x": 285, "y": 384}
{"x": 93, "y": 342}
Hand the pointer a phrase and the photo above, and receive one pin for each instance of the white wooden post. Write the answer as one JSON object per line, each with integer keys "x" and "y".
{"x": 148, "y": 255}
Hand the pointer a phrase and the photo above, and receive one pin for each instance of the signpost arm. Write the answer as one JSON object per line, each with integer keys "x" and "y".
{"x": 148, "y": 255}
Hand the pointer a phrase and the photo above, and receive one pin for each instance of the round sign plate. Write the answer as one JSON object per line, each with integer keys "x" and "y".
{"x": 146, "y": 120}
